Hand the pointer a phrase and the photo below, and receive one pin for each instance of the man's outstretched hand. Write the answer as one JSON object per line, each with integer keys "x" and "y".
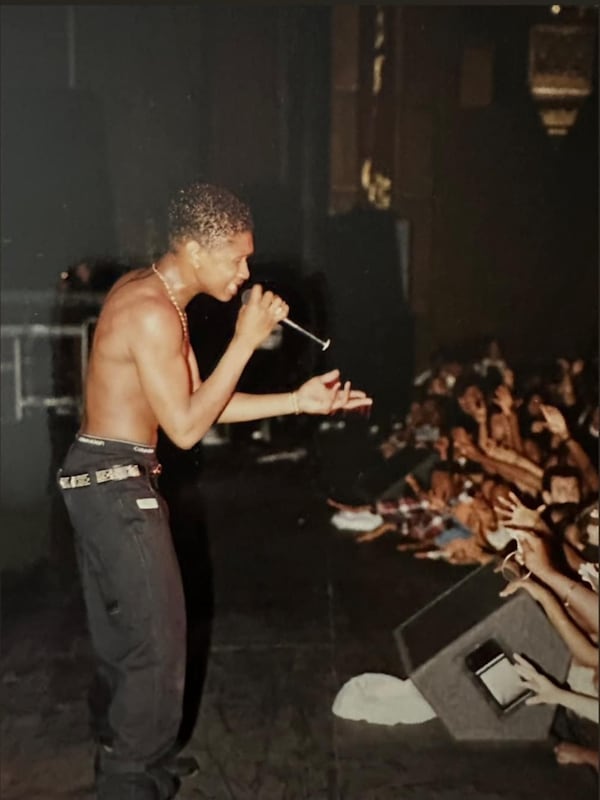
{"x": 325, "y": 394}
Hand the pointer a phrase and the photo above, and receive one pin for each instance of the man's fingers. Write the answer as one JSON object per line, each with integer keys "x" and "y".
{"x": 330, "y": 378}
{"x": 359, "y": 402}
{"x": 255, "y": 293}
{"x": 346, "y": 393}
{"x": 267, "y": 299}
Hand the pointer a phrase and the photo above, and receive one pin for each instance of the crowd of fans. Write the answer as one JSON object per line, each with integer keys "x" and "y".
{"x": 504, "y": 469}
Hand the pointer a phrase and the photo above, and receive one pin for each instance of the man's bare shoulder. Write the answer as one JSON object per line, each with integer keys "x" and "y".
{"x": 131, "y": 286}
{"x": 139, "y": 308}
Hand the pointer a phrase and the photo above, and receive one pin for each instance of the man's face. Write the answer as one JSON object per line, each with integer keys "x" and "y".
{"x": 564, "y": 490}
{"x": 227, "y": 263}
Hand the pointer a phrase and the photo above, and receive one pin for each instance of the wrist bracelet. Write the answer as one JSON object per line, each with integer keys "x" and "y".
{"x": 568, "y": 593}
{"x": 295, "y": 403}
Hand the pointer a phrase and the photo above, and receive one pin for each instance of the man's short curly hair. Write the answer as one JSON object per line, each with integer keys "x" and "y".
{"x": 207, "y": 214}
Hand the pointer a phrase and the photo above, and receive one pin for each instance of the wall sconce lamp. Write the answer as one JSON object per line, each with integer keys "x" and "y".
{"x": 561, "y": 67}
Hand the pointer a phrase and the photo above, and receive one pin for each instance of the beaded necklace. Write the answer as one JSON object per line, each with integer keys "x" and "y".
{"x": 182, "y": 316}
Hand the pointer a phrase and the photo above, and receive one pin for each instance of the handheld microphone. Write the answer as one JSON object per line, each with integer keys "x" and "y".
{"x": 294, "y": 325}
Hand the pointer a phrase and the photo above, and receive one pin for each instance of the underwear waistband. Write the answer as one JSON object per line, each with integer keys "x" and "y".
{"x": 99, "y": 443}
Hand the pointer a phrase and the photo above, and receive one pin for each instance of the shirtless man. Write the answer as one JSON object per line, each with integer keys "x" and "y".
{"x": 143, "y": 374}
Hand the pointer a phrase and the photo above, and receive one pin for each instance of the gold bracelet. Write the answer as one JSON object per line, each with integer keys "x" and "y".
{"x": 568, "y": 594}
{"x": 295, "y": 404}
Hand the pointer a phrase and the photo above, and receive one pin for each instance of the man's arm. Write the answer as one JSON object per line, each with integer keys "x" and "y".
{"x": 322, "y": 394}
{"x": 510, "y": 472}
{"x": 244, "y": 407}
{"x": 167, "y": 379}
{"x": 184, "y": 413}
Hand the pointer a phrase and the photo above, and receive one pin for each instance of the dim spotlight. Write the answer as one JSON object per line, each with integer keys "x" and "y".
{"x": 555, "y": 10}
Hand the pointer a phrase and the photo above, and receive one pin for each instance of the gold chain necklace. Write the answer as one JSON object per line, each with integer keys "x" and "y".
{"x": 182, "y": 316}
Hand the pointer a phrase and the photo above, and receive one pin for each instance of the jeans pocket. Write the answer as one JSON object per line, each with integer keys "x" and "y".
{"x": 141, "y": 506}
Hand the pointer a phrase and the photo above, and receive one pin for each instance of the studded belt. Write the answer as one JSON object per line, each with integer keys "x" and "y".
{"x": 119, "y": 473}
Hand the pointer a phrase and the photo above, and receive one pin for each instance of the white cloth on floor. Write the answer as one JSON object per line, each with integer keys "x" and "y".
{"x": 382, "y": 699}
{"x": 356, "y": 520}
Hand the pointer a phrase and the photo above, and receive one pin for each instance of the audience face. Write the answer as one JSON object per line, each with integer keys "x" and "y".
{"x": 532, "y": 451}
{"x": 442, "y": 489}
{"x": 534, "y": 406}
{"x": 587, "y": 524}
{"x": 438, "y": 386}
{"x": 563, "y": 489}
{"x": 493, "y": 350}
{"x": 431, "y": 413}
{"x": 460, "y": 441}
{"x": 471, "y": 400}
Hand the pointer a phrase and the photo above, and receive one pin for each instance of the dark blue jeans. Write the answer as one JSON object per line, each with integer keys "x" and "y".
{"x": 136, "y": 617}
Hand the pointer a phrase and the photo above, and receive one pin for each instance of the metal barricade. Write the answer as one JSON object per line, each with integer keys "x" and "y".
{"x": 31, "y": 353}
{"x": 20, "y": 333}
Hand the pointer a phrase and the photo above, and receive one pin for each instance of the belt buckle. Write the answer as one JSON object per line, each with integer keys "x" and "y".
{"x": 75, "y": 481}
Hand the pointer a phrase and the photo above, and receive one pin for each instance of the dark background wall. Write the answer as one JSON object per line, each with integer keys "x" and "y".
{"x": 170, "y": 93}
{"x": 108, "y": 108}
{"x": 505, "y": 221}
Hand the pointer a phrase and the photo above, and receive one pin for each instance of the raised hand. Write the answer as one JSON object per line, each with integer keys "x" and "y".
{"x": 545, "y": 690}
{"x": 577, "y": 366}
{"x": 534, "y": 552}
{"x": 513, "y": 514}
{"x": 504, "y": 400}
{"x": 555, "y": 422}
{"x": 324, "y": 394}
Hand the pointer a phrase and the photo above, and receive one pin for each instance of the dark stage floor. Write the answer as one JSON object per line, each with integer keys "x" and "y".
{"x": 299, "y": 608}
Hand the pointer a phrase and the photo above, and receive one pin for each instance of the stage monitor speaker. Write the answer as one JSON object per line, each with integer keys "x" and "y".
{"x": 435, "y": 642}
